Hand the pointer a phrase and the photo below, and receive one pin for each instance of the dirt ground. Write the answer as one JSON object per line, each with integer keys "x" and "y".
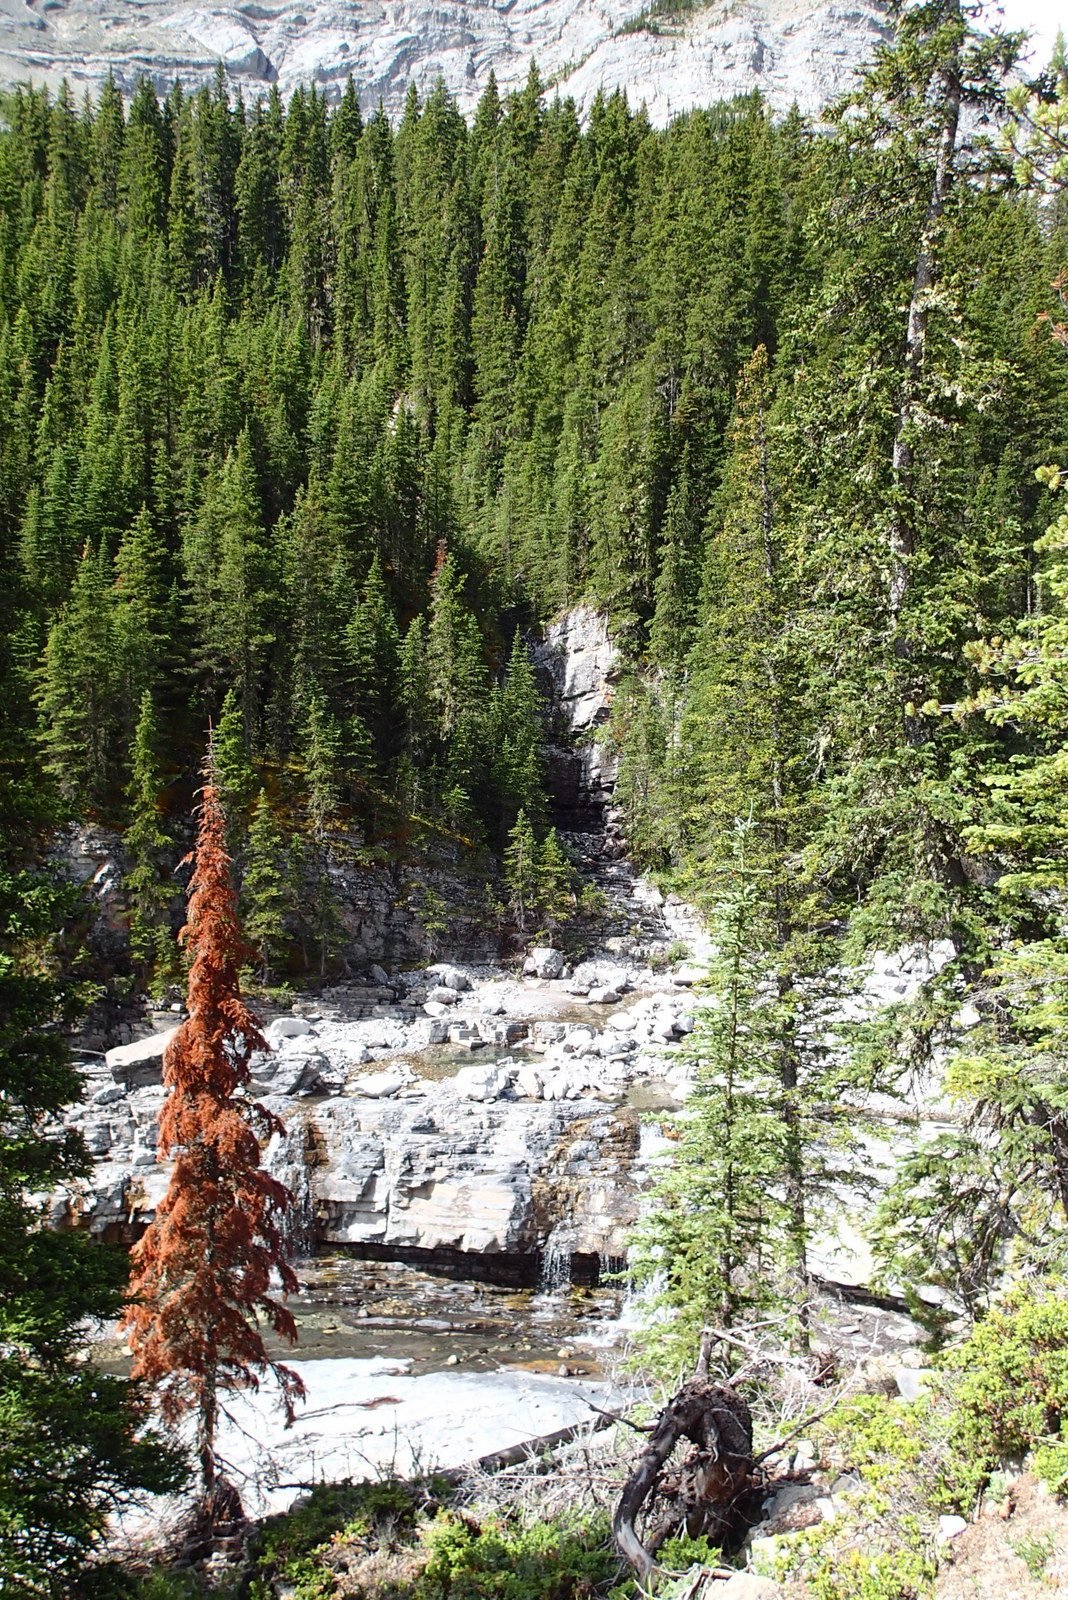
{"x": 1018, "y": 1550}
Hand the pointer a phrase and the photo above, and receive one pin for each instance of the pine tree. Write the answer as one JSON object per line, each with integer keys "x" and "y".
{"x": 266, "y": 889}
{"x": 202, "y": 1273}
{"x": 77, "y": 688}
{"x": 521, "y": 872}
{"x": 717, "y": 1243}
{"x": 555, "y": 875}
{"x": 321, "y": 760}
{"x": 149, "y": 882}
{"x": 517, "y": 742}
{"x": 972, "y": 1203}
{"x": 235, "y": 775}
{"x": 144, "y": 618}
{"x": 453, "y": 646}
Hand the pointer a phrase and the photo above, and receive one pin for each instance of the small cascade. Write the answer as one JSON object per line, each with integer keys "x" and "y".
{"x": 556, "y": 1261}
{"x": 285, "y": 1158}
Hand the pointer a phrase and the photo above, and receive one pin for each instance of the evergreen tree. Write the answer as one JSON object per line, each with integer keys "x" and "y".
{"x": 76, "y": 695}
{"x": 234, "y": 772}
{"x": 321, "y": 753}
{"x": 555, "y": 876}
{"x": 266, "y": 887}
{"x": 717, "y": 1244}
{"x": 149, "y": 881}
{"x": 521, "y": 872}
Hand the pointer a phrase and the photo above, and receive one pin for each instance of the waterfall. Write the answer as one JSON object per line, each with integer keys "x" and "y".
{"x": 285, "y": 1158}
{"x": 556, "y": 1260}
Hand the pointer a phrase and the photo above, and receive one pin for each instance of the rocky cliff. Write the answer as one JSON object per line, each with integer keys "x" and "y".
{"x": 792, "y": 50}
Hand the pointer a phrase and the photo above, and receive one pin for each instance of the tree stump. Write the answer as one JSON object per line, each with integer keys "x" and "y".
{"x": 707, "y": 1494}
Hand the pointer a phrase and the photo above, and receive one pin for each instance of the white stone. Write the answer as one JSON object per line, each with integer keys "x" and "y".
{"x": 142, "y": 1050}
{"x": 450, "y": 977}
{"x": 435, "y": 1008}
{"x": 544, "y": 962}
{"x": 288, "y": 1028}
{"x": 603, "y": 996}
{"x": 911, "y": 1382}
{"x": 377, "y": 1085}
{"x": 442, "y": 995}
{"x": 140, "y": 1063}
{"x": 950, "y": 1527}
{"x": 528, "y": 1083}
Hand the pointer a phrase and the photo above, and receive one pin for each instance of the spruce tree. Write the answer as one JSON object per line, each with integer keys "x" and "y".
{"x": 235, "y": 774}
{"x": 555, "y": 882}
{"x": 267, "y": 886}
{"x": 76, "y": 696}
{"x": 321, "y": 763}
{"x": 718, "y": 1244}
{"x": 521, "y": 872}
{"x": 149, "y": 879}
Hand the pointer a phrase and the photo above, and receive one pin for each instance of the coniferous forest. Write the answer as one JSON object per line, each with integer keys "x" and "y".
{"x": 308, "y": 422}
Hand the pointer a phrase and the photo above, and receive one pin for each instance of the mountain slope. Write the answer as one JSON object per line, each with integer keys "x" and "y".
{"x": 791, "y": 49}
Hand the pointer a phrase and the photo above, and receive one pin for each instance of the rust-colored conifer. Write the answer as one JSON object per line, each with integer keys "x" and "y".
{"x": 202, "y": 1279}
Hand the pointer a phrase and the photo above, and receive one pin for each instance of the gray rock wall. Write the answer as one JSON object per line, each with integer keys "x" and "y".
{"x": 803, "y": 51}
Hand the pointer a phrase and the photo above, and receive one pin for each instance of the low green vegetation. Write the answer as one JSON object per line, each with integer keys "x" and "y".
{"x": 409, "y": 1541}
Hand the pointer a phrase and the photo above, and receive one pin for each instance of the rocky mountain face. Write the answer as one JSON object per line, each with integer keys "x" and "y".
{"x": 792, "y": 50}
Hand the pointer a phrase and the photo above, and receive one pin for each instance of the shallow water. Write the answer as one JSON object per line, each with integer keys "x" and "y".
{"x": 352, "y": 1308}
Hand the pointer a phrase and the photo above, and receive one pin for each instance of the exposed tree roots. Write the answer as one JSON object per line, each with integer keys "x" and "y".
{"x": 712, "y": 1492}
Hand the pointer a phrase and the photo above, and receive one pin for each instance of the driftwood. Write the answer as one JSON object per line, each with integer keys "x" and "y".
{"x": 707, "y": 1494}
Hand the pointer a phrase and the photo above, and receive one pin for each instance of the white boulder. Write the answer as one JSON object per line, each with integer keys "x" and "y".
{"x": 544, "y": 962}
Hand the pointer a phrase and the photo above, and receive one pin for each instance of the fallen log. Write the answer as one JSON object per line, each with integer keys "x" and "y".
{"x": 708, "y": 1493}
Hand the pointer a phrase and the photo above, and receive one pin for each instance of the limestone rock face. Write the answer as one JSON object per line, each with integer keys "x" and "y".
{"x": 578, "y": 664}
{"x": 793, "y": 50}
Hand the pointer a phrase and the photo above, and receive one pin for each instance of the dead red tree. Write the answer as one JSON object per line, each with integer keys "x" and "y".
{"x": 202, "y": 1279}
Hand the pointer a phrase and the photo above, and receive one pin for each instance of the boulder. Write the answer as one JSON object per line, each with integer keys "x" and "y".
{"x": 603, "y": 996}
{"x": 437, "y": 1008}
{"x": 291, "y": 1073}
{"x": 482, "y": 1082}
{"x": 377, "y": 1085}
{"x": 288, "y": 1028}
{"x": 139, "y": 1064}
{"x": 442, "y": 995}
{"x": 449, "y": 977}
{"x": 544, "y": 962}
